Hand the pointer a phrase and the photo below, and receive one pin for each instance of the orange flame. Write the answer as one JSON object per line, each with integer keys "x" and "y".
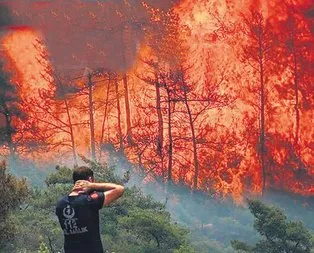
{"x": 227, "y": 136}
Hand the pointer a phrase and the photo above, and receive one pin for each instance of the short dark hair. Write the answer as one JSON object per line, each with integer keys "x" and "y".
{"x": 82, "y": 173}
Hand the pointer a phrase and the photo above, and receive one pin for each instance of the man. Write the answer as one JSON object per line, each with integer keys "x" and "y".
{"x": 78, "y": 212}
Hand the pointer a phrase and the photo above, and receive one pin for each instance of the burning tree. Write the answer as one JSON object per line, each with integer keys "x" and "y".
{"x": 257, "y": 53}
{"x": 172, "y": 120}
{"x": 120, "y": 135}
{"x": 297, "y": 46}
{"x": 52, "y": 107}
{"x": 163, "y": 41}
{"x": 180, "y": 103}
{"x": 18, "y": 130}
{"x": 108, "y": 104}
{"x": 89, "y": 90}
{"x": 87, "y": 85}
{"x": 197, "y": 104}
{"x": 53, "y": 111}
{"x": 10, "y": 112}
{"x": 290, "y": 134}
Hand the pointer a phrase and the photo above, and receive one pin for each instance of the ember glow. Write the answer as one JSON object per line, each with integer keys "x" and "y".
{"x": 217, "y": 95}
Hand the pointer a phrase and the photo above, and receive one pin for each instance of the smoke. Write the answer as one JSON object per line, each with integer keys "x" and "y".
{"x": 5, "y": 17}
{"x": 82, "y": 34}
{"x": 91, "y": 34}
{"x": 208, "y": 216}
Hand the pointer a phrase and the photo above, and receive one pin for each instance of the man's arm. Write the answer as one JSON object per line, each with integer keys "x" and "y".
{"x": 111, "y": 191}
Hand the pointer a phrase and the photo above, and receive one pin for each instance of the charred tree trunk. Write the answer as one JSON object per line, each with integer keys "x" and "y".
{"x": 292, "y": 48}
{"x": 296, "y": 94}
{"x": 91, "y": 116}
{"x": 170, "y": 148}
{"x": 127, "y": 110}
{"x": 119, "y": 114}
{"x": 127, "y": 58}
{"x": 71, "y": 131}
{"x": 194, "y": 143}
{"x": 262, "y": 109}
{"x": 104, "y": 119}
{"x": 160, "y": 137}
{"x": 259, "y": 52}
{"x": 8, "y": 133}
{"x": 140, "y": 163}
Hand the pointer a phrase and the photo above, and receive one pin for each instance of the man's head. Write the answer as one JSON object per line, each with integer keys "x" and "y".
{"x": 83, "y": 173}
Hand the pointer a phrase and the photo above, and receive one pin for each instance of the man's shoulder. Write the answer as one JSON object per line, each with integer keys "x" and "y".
{"x": 66, "y": 199}
{"x": 82, "y": 199}
{"x": 62, "y": 201}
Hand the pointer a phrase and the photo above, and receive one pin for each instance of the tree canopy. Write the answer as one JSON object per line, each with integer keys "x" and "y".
{"x": 279, "y": 235}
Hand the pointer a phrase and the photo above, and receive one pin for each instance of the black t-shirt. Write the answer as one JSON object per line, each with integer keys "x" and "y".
{"x": 79, "y": 220}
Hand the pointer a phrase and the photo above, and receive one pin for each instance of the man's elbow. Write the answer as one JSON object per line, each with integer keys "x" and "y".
{"x": 120, "y": 189}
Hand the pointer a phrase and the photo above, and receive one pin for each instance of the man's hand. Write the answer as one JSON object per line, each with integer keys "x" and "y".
{"x": 83, "y": 186}
{"x": 112, "y": 191}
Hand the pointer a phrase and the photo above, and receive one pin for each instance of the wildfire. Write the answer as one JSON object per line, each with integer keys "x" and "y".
{"x": 207, "y": 134}
{"x": 25, "y": 60}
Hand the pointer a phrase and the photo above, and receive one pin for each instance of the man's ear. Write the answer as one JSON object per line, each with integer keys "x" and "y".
{"x": 91, "y": 179}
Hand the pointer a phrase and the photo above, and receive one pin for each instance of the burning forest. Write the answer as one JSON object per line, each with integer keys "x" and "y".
{"x": 214, "y": 95}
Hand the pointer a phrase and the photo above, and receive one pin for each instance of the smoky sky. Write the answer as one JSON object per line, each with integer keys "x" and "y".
{"x": 87, "y": 33}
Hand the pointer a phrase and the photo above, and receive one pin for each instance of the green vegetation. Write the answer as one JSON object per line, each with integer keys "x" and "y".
{"x": 136, "y": 223}
{"x": 139, "y": 224}
{"x": 279, "y": 235}
{"x": 13, "y": 192}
